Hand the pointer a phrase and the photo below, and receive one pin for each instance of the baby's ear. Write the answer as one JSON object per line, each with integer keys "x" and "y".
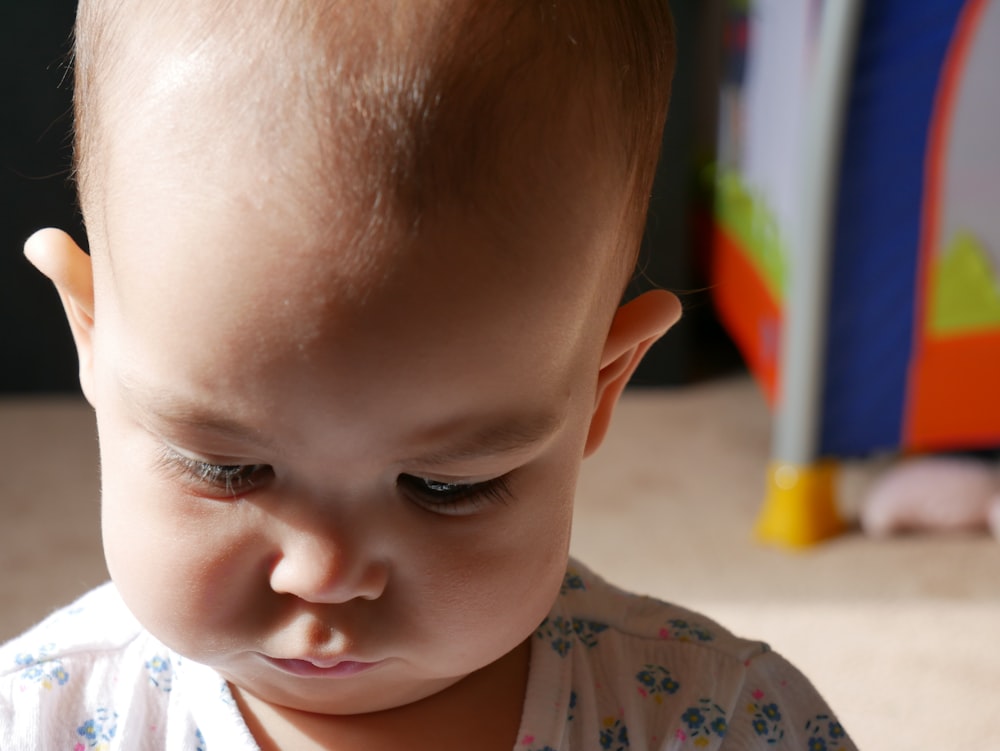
{"x": 54, "y": 253}
{"x": 636, "y": 326}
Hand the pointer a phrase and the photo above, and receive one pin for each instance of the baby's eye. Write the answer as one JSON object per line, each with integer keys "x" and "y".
{"x": 451, "y": 498}
{"x": 229, "y": 479}
{"x": 233, "y": 478}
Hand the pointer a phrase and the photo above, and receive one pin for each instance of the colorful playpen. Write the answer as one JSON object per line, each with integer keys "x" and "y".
{"x": 856, "y": 234}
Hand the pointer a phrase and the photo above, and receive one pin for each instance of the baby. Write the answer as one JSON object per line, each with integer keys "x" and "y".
{"x": 350, "y": 323}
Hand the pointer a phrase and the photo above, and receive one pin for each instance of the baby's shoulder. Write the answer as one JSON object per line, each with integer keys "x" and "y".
{"x": 70, "y": 678}
{"x": 586, "y": 598}
{"x": 639, "y": 662}
{"x": 97, "y": 625}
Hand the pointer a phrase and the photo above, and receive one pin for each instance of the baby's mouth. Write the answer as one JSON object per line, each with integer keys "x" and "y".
{"x": 337, "y": 667}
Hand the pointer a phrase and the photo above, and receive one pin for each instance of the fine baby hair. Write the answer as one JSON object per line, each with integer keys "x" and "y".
{"x": 404, "y": 108}
{"x": 350, "y": 322}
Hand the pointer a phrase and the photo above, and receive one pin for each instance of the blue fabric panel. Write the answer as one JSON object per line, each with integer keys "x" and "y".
{"x": 876, "y": 244}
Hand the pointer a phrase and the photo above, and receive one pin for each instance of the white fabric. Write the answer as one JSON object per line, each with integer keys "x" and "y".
{"x": 612, "y": 670}
{"x": 609, "y": 670}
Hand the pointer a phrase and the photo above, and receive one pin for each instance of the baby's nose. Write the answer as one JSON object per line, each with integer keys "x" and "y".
{"x": 315, "y": 566}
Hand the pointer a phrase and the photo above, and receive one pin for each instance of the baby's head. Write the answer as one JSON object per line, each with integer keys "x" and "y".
{"x": 371, "y": 119}
{"x": 351, "y": 321}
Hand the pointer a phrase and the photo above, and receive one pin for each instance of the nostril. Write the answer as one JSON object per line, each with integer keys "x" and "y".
{"x": 326, "y": 574}
{"x": 376, "y": 580}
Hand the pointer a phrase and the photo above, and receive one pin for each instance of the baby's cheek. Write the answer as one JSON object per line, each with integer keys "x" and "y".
{"x": 520, "y": 572}
{"x": 173, "y": 558}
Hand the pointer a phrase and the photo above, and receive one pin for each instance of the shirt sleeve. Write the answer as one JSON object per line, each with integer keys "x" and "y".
{"x": 30, "y": 699}
{"x": 779, "y": 709}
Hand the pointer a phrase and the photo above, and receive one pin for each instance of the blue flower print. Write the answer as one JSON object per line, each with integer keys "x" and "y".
{"x": 694, "y": 718}
{"x": 703, "y": 721}
{"x": 561, "y": 633}
{"x": 158, "y": 664}
{"x": 572, "y": 581}
{"x": 614, "y": 735}
{"x": 161, "y": 672}
{"x": 655, "y": 681}
{"x": 765, "y": 719}
{"x": 98, "y": 731}
{"x": 557, "y": 632}
{"x": 825, "y": 734}
{"x": 587, "y": 631}
{"x": 685, "y": 631}
{"x": 199, "y": 740}
{"x": 88, "y": 730}
{"x": 40, "y": 668}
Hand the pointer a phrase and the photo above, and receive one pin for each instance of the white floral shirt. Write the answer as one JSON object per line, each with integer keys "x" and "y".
{"x": 609, "y": 671}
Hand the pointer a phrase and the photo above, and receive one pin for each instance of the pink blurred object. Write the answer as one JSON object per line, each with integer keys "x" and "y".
{"x": 934, "y": 494}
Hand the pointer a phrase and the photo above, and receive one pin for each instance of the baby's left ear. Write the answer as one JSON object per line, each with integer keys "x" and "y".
{"x": 634, "y": 329}
{"x": 54, "y": 253}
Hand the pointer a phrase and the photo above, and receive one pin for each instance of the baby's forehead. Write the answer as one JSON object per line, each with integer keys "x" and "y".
{"x": 384, "y": 106}
{"x": 349, "y": 143}
{"x": 245, "y": 290}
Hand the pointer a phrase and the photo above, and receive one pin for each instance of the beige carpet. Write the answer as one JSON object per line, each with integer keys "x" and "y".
{"x": 898, "y": 635}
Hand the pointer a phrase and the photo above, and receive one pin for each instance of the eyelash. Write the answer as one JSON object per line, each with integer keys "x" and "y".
{"x": 454, "y": 499}
{"x": 450, "y": 499}
{"x": 232, "y": 479}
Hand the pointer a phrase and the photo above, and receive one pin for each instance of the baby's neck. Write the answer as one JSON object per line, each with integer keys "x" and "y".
{"x": 482, "y": 711}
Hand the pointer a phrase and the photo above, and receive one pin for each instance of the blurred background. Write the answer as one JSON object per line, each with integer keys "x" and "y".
{"x": 36, "y": 190}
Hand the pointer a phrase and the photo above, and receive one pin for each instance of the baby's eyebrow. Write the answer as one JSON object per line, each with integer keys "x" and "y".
{"x": 180, "y": 412}
{"x": 455, "y": 442}
{"x": 500, "y": 436}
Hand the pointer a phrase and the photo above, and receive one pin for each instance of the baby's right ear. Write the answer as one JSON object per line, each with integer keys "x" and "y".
{"x": 54, "y": 253}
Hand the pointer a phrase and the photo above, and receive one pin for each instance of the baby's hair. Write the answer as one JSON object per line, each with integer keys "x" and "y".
{"x": 405, "y": 108}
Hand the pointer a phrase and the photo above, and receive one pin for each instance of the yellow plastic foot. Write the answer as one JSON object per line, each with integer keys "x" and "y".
{"x": 800, "y": 508}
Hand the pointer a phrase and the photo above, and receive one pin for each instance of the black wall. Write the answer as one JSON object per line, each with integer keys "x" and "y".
{"x": 36, "y": 352}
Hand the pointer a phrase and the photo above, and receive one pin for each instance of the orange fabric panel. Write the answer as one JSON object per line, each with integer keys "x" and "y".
{"x": 954, "y": 382}
{"x": 954, "y": 399}
{"x": 747, "y": 309}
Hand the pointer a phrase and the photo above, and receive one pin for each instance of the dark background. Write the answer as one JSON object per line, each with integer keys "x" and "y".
{"x": 36, "y": 190}
{"x": 36, "y": 352}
